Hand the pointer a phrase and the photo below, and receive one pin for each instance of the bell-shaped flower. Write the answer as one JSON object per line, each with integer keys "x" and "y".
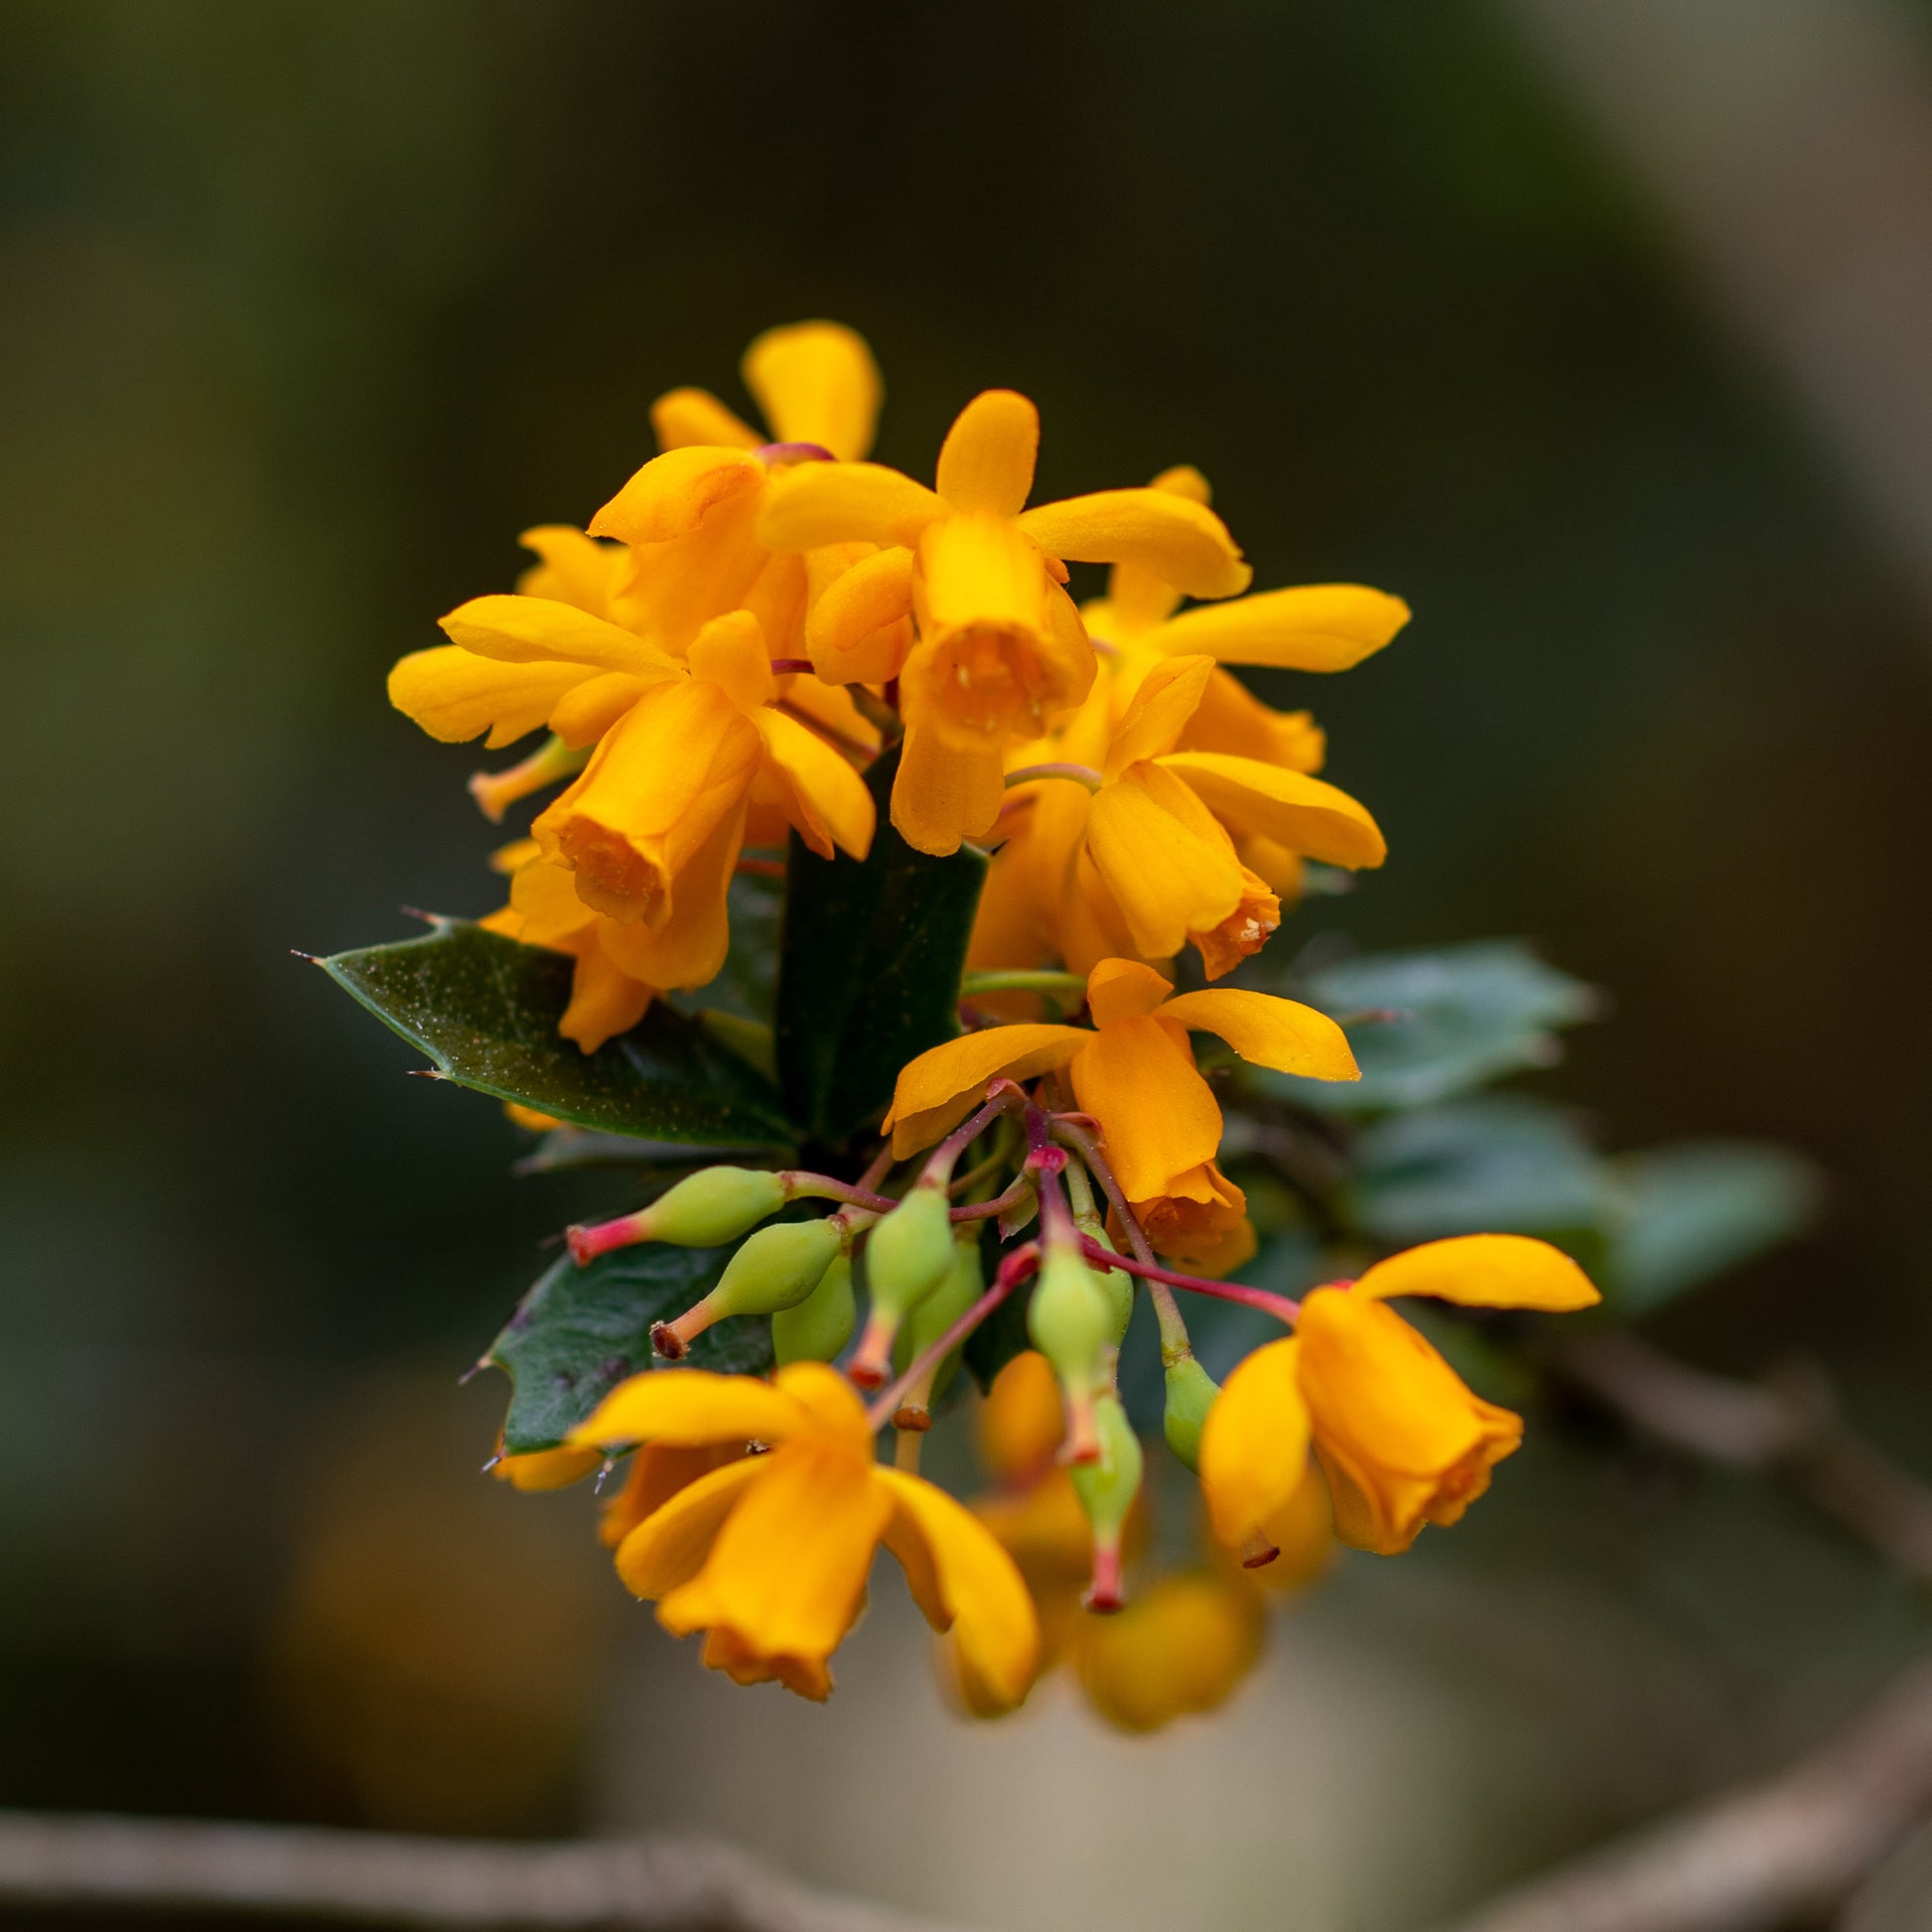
{"x": 606, "y": 998}
{"x": 1133, "y": 1071}
{"x": 1001, "y": 652}
{"x": 1401, "y": 1438}
{"x": 1147, "y": 862}
{"x": 768, "y": 1555}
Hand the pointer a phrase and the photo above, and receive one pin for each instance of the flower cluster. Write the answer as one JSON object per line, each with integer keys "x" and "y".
{"x": 757, "y": 625}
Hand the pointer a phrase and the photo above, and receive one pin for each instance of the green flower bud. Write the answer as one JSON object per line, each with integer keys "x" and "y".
{"x": 1071, "y": 1323}
{"x": 1107, "y": 1487}
{"x": 1191, "y": 1394}
{"x": 776, "y": 1268}
{"x": 816, "y": 1329}
{"x": 908, "y": 1255}
{"x": 704, "y": 1210}
{"x": 1118, "y": 1282}
{"x": 965, "y": 1282}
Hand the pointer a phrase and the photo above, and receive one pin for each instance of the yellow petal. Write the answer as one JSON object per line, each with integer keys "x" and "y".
{"x": 1269, "y": 1032}
{"x": 1157, "y": 1114}
{"x": 544, "y": 899}
{"x": 687, "y": 418}
{"x": 670, "y": 496}
{"x": 1181, "y": 1648}
{"x": 669, "y": 591}
{"x": 1136, "y": 600}
{"x": 690, "y": 1404}
{"x": 688, "y": 947}
{"x": 943, "y": 794}
{"x": 586, "y": 711}
{"x": 966, "y": 1584}
{"x": 816, "y": 382}
{"x": 786, "y": 1574}
{"x": 823, "y": 797}
{"x": 1168, "y": 696}
{"x": 1302, "y": 813}
{"x": 573, "y": 569}
{"x": 946, "y": 1082}
{"x": 1313, "y": 627}
{"x": 604, "y": 1000}
{"x": 1230, "y": 717}
{"x": 987, "y": 460}
{"x": 844, "y": 503}
{"x": 1167, "y": 860}
{"x": 1182, "y": 543}
{"x": 538, "y": 630}
{"x": 1121, "y": 989}
{"x": 729, "y": 652}
{"x": 670, "y": 1544}
{"x": 1484, "y": 1271}
{"x": 832, "y": 1403}
{"x": 873, "y": 596}
{"x": 1254, "y": 1446}
{"x": 455, "y": 694}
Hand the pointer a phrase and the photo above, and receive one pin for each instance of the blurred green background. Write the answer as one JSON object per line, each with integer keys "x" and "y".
{"x": 306, "y": 312}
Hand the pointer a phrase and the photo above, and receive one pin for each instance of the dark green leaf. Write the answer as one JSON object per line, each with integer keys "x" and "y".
{"x": 1686, "y": 1213}
{"x": 1499, "y": 1164}
{"x": 580, "y": 1331}
{"x": 1466, "y": 1015}
{"x": 869, "y": 975}
{"x": 486, "y": 1010}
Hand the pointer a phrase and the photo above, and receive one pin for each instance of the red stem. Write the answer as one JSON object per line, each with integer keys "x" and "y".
{"x": 1015, "y": 1268}
{"x": 1278, "y": 1305}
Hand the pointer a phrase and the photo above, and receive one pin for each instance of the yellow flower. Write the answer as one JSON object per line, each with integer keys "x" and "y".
{"x": 1402, "y": 1439}
{"x": 544, "y": 910}
{"x": 1177, "y": 1649}
{"x": 768, "y": 1555}
{"x": 1001, "y": 650}
{"x": 687, "y": 554}
{"x": 1134, "y": 1073}
{"x": 1147, "y": 862}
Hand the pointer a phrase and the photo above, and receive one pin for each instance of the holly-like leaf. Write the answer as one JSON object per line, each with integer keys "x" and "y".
{"x": 580, "y": 1331}
{"x": 1500, "y": 1165}
{"x": 1686, "y": 1213}
{"x": 1428, "y": 1025}
{"x": 484, "y": 1009}
{"x": 868, "y": 973}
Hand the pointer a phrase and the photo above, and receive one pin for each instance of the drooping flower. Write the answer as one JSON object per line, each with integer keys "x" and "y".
{"x": 768, "y": 1554}
{"x": 1149, "y": 861}
{"x": 1134, "y": 1073}
{"x": 1401, "y": 1438}
{"x": 1001, "y": 652}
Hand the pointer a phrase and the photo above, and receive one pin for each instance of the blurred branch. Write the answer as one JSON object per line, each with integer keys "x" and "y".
{"x": 1759, "y": 1858}
{"x": 647, "y": 1884}
{"x": 1806, "y": 1841}
{"x": 1786, "y": 1426}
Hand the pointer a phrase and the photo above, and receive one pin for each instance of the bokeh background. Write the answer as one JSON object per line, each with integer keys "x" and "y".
{"x": 1589, "y": 328}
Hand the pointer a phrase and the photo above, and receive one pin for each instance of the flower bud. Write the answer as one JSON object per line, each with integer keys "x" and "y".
{"x": 1107, "y": 1487}
{"x": 704, "y": 1210}
{"x": 1071, "y": 1323}
{"x": 816, "y": 1329}
{"x": 965, "y": 1282}
{"x": 776, "y": 1268}
{"x": 1191, "y": 1394}
{"x": 908, "y": 1255}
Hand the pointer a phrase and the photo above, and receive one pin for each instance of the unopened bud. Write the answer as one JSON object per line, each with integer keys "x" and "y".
{"x": 816, "y": 1329}
{"x": 776, "y": 1268}
{"x": 1088, "y": 1218}
{"x": 908, "y": 1255}
{"x": 1191, "y": 1394}
{"x": 1107, "y": 1487}
{"x": 704, "y": 1210}
{"x": 965, "y": 1282}
{"x": 1071, "y": 1323}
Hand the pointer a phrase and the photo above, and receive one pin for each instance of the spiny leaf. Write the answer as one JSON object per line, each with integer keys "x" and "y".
{"x": 484, "y": 1009}
{"x": 580, "y": 1331}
